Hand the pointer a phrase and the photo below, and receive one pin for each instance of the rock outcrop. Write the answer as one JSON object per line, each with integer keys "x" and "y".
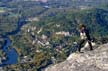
{"x": 96, "y": 60}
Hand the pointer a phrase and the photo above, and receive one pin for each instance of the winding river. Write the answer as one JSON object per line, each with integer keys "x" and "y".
{"x": 11, "y": 53}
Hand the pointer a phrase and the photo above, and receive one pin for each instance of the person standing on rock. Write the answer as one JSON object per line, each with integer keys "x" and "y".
{"x": 85, "y": 36}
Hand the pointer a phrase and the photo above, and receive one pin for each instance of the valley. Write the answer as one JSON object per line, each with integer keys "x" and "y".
{"x": 46, "y": 33}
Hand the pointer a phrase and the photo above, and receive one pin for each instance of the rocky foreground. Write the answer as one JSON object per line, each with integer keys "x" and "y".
{"x": 96, "y": 60}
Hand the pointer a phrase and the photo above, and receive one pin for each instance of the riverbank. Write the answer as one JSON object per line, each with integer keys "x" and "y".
{"x": 11, "y": 52}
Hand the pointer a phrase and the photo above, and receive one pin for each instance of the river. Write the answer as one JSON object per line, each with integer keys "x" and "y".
{"x": 11, "y": 53}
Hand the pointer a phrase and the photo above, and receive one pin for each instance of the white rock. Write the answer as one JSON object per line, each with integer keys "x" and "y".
{"x": 96, "y": 60}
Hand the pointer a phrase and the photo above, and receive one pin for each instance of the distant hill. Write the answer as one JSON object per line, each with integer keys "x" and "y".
{"x": 64, "y": 3}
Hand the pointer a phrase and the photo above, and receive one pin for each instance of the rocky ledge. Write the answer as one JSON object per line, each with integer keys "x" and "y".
{"x": 96, "y": 60}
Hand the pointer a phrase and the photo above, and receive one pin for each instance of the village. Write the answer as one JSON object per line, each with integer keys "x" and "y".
{"x": 44, "y": 41}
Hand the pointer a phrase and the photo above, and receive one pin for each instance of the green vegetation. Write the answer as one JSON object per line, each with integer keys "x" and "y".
{"x": 7, "y": 24}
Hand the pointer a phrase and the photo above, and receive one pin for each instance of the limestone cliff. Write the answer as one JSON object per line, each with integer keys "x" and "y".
{"x": 96, "y": 60}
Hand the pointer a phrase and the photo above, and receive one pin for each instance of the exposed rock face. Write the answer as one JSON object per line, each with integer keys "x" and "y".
{"x": 96, "y": 60}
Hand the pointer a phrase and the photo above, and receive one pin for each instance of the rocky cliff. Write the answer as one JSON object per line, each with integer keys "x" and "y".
{"x": 96, "y": 60}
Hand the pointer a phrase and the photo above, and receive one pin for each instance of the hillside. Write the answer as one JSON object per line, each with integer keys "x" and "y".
{"x": 96, "y": 60}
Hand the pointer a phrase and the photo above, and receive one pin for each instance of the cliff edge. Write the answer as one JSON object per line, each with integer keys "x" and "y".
{"x": 96, "y": 60}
